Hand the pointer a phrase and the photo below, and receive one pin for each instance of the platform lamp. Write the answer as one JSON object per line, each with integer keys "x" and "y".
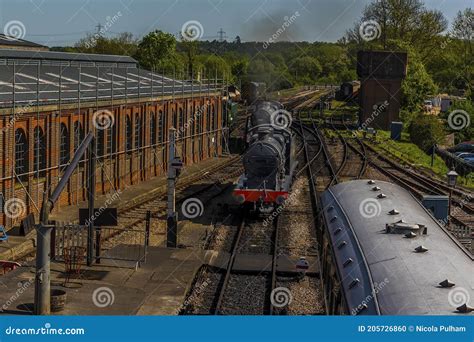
{"x": 452, "y": 179}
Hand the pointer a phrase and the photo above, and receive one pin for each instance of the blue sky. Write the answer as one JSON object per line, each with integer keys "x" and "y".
{"x": 63, "y": 22}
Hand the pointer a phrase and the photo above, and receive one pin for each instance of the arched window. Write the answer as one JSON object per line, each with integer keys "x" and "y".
{"x": 21, "y": 154}
{"x": 113, "y": 128}
{"x": 39, "y": 153}
{"x": 161, "y": 127}
{"x": 181, "y": 122}
{"x": 214, "y": 118}
{"x": 208, "y": 118}
{"x": 64, "y": 146}
{"x": 78, "y": 135}
{"x": 175, "y": 119}
{"x": 192, "y": 122}
{"x": 100, "y": 143}
{"x": 138, "y": 131}
{"x": 152, "y": 128}
{"x": 128, "y": 135}
{"x": 108, "y": 133}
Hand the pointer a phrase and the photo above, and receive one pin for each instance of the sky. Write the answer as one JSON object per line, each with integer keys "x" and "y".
{"x": 63, "y": 22}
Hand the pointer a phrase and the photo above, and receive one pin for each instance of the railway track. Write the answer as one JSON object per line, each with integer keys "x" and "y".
{"x": 254, "y": 247}
{"x": 352, "y": 165}
{"x": 243, "y": 286}
{"x": 461, "y": 218}
{"x": 248, "y": 293}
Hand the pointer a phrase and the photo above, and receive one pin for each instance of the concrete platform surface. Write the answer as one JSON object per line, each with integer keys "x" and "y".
{"x": 156, "y": 288}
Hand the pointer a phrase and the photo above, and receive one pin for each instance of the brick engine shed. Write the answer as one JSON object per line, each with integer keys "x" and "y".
{"x": 50, "y": 100}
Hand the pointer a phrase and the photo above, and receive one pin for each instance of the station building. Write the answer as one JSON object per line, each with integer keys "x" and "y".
{"x": 49, "y": 101}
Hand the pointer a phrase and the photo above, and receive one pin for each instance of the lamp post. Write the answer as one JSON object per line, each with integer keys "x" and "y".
{"x": 452, "y": 178}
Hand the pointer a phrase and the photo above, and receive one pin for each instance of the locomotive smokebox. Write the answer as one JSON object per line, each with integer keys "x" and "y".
{"x": 264, "y": 157}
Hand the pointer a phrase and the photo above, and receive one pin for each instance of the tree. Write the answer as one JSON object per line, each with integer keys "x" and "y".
{"x": 417, "y": 86}
{"x": 463, "y": 29}
{"x": 191, "y": 51}
{"x": 403, "y": 20}
{"x": 157, "y": 51}
{"x": 123, "y": 44}
{"x": 426, "y": 131}
{"x": 214, "y": 66}
{"x": 306, "y": 69}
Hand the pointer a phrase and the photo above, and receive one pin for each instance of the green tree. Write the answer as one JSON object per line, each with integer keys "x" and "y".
{"x": 157, "y": 51}
{"x": 404, "y": 20}
{"x": 306, "y": 69}
{"x": 214, "y": 67}
{"x": 426, "y": 131}
{"x": 418, "y": 84}
{"x": 123, "y": 44}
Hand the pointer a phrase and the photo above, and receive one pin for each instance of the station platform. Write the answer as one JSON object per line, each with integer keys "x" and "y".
{"x": 158, "y": 287}
{"x": 19, "y": 246}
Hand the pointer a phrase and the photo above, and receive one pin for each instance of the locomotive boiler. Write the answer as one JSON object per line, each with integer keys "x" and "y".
{"x": 269, "y": 161}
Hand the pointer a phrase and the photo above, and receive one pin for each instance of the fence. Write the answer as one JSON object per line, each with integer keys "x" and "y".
{"x": 110, "y": 243}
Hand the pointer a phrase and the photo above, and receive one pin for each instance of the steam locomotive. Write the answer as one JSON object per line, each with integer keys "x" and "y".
{"x": 269, "y": 161}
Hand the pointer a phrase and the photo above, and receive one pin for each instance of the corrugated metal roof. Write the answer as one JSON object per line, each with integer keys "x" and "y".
{"x": 410, "y": 279}
{"x": 33, "y": 56}
{"x": 27, "y": 84}
{"x": 7, "y": 40}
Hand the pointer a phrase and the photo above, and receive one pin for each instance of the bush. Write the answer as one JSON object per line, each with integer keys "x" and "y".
{"x": 426, "y": 131}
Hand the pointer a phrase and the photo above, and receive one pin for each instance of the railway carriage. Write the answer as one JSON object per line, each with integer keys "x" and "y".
{"x": 383, "y": 253}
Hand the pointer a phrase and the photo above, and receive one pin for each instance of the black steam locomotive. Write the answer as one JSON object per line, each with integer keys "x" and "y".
{"x": 269, "y": 161}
